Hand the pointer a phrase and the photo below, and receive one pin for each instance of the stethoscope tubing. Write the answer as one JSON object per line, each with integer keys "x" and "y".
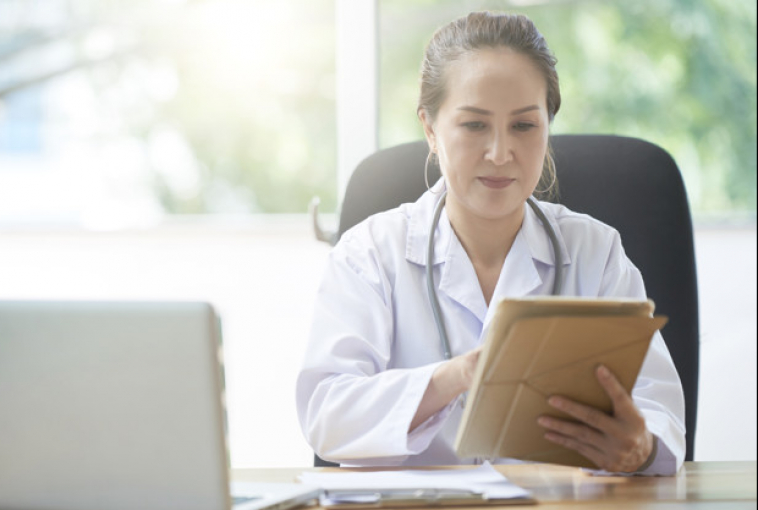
{"x": 436, "y": 310}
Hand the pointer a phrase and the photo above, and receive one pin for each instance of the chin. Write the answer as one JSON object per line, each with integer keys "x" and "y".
{"x": 500, "y": 212}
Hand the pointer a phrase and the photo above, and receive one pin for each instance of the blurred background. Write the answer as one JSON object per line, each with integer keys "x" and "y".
{"x": 168, "y": 149}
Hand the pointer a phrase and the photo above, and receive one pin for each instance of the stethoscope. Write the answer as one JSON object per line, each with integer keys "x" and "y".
{"x": 430, "y": 256}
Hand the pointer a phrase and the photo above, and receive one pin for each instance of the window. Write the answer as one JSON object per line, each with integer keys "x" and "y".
{"x": 168, "y": 149}
{"x": 164, "y": 108}
{"x": 679, "y": 74}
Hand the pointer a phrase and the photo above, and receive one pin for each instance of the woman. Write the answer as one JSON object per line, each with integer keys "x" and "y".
{"x": 373, "y": 389}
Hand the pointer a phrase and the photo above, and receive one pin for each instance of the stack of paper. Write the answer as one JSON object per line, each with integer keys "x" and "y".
{"x": 351, "y": 489}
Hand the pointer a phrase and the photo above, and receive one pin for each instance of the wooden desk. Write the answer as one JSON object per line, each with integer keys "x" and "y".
{"x": 701, "y": 485}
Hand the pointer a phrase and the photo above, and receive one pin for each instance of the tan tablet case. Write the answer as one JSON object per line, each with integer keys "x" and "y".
{"x": 538, "y": 347}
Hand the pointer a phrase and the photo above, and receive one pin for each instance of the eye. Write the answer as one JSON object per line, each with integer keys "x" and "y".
{"x": 524, "y": 126}
{"x": 474, "y": 125}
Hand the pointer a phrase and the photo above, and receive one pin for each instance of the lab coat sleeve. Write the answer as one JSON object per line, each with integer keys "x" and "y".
{"x": 658, "y": 391}
{"x": 351, "y": 407}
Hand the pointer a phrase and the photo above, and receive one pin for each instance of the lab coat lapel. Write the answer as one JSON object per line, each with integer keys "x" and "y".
{"x": 532, "y": 246}
{"x": 420, "y": 218}
{"x": 519, "y": 276}
{"x": 459, "y": 280}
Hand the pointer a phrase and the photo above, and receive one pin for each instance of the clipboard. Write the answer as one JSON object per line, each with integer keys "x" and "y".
{"x": 409, "y": 498}
{"x": 542, "y": 346}
{"x": 434, "y": 486}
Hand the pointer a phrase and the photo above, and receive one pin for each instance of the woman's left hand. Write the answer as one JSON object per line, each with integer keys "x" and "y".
{"x": 619, "y": 442}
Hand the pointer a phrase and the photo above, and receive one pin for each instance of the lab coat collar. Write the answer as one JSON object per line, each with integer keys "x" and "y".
{"x": 519, "y": 275}
{"x": 537, "y": 238}
{"x": 419, "y": 223}
{"x": 458, "y": 278}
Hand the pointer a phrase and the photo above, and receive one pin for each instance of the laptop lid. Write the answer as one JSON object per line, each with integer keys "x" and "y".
{"x": 112, "y": 405}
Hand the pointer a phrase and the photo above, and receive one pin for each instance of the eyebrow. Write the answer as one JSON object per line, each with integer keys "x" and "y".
{"x": 481, "y": 111}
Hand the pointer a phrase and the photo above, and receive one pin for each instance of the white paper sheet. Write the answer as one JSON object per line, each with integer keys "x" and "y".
{"x": 483, "y": 479}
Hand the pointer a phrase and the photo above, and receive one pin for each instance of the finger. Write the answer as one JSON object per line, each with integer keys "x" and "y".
{"x": 588, "y": 451}
{"x": 611, "y": 385}
{"x": 595, "y": 418}
{"x": 581, "y": 433}
{"x": 620, "y": 399}
{"x": 600, "y": 458}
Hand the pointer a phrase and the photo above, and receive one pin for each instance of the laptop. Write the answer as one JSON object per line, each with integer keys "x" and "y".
{"x": 116, "y": 406}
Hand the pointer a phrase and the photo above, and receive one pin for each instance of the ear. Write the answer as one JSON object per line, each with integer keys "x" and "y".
{"x": 428, "y": 130}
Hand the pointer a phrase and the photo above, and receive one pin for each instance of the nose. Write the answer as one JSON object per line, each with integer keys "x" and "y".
{"x": 500, "y": 148}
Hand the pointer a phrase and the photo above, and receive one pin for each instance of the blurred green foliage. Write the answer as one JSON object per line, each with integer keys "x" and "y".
{"x": 255, "y": 103}
{"x": 228, "y": 106}
{"x": 232, "y": 102}
{"x": 678, "y": 73}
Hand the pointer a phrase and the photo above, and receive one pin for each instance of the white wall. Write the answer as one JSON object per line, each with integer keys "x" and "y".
{"x": 726, "y": 262}
{"x": 262, "y": 275}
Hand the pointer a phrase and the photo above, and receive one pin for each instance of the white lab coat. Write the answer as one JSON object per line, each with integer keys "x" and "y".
{"x": 374, "y": 344}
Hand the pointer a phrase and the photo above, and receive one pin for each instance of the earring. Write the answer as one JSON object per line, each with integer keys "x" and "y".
{"x": 426, "y": 170}
{"x": 551, "y": 170}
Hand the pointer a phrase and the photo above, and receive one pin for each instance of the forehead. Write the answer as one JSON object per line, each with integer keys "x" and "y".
{"x": 496, "y": 76}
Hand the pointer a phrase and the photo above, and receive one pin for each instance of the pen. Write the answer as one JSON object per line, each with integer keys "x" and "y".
{"x": 397, "y": 495}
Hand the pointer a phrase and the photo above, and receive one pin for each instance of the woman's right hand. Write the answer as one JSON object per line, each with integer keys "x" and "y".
{"x": 467, "y": 366}
{"x": 449, "y": 380}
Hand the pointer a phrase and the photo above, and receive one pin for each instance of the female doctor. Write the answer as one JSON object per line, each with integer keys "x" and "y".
{"x": 375, "y": 388}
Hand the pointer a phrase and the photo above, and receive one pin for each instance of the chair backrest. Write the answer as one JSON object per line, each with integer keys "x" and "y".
{"x": 628, "y": 183}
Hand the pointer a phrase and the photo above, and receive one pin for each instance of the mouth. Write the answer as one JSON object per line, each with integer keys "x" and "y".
{"x": 496, "y": 182}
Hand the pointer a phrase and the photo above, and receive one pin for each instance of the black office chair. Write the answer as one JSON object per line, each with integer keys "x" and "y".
{"x": 628, "y": 183}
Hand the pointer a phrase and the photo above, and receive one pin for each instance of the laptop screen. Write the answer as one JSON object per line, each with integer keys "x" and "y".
{"x": 111, "y": 405}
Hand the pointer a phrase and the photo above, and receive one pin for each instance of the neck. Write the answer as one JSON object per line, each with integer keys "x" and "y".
{"x": 486, "y": 241}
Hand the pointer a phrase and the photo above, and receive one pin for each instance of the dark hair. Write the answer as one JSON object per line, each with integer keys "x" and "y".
{"x": 487, "y": 30}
